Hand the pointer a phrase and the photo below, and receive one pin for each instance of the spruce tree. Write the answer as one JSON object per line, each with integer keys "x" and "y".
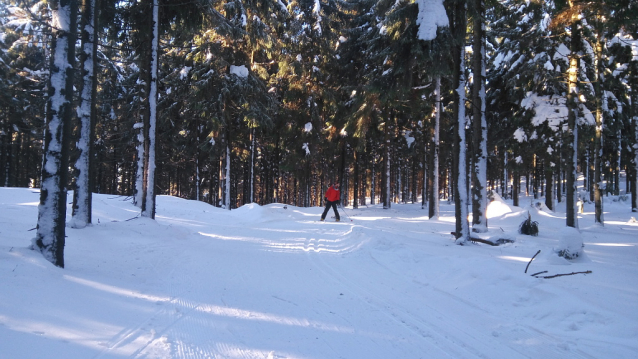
{"x": 50, "y": 236}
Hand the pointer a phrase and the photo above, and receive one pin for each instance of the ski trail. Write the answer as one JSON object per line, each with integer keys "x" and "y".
{"x": 147, "y": 336}
{"x": 431, "y": 342}
{"x": 528, "y": 341}
{"x": 451, "y": 334}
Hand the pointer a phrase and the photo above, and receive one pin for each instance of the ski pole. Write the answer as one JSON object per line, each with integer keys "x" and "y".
{"x": 344, "y": 212}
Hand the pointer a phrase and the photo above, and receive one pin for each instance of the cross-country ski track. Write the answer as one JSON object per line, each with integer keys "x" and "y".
{"x": 274, "y": 282}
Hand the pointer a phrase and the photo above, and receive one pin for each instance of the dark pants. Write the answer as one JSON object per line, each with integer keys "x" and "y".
{"x": 334, "y": 207}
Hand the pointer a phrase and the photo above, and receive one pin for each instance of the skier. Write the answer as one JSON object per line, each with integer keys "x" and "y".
{"x": 332, "y": 198}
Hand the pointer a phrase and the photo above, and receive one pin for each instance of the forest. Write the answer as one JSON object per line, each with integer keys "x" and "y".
{"x": 270, "y": 101}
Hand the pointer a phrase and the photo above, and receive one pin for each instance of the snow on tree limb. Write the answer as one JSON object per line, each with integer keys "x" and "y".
{"x": 431, "y": 16}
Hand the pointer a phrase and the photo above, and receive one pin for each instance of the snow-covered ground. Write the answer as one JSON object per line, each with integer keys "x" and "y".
{"x": 274, "y": 282}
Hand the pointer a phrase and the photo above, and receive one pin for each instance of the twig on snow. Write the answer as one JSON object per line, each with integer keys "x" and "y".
{"x": 530, "y": 261}
{"x": 535, "y": 274}
{"x": 561, "y": 275}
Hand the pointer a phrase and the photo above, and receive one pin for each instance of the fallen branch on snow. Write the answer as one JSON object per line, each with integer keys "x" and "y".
{"x": 565, "y": 274}
{"x": 535, "y": 274}
{"x": 491, "y": 243}
{"x": 530, "y": 261}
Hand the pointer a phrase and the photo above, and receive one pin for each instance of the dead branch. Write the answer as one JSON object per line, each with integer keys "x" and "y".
{"x": 561, "y": 275}
{"x": 530, "y": 261}
{"x": 497, "y": 243}
{"x": 475, "y": 239}
{"x": 535, "y": 274}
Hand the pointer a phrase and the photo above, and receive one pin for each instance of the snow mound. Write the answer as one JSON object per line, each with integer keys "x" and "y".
{"x": 253, "y": 212}
{"x": 541, "y": 206}
{"x": 497, "y": 207}
{"x": 570, "y": 243}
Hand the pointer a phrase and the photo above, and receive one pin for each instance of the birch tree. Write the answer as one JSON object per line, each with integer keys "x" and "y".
{"x": 50, "y": 233}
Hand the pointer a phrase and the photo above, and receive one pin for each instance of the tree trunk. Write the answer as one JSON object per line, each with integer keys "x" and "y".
{"x": 150, "y": 123}
{"x": 462, "y": 232}
{"x": 355, "y": 189}
{"x": 598, "y": 140}
{"x": 516, "y": 183}
{"x": 633, "y": 115}
{"x": 434, "y": 212}
{"x": 82, "y": 199}
{"x": 373, "y": 178}
{"x": 479, "y": 174}
{"x": 549, "y": 195}
{"x": 387, "y": 199}
{"x": 572, "y": 123}
{"x": 252, "y": 166}
{"x": 50, "y": 235}
{"x": 227, "y": 175}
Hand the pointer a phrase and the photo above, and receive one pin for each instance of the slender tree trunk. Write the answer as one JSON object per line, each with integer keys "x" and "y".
{"x": 435, "y": 166}
{"x": 227, "y": 177}
{"x": 82, "y": 199}
{"x": 549, "y": 196}
{"x": 5, "y": 154}
{"x": 50, "y": 234}
{"x": 633, "y": 115}
{"x": 139, "y": 173}
{"x": 516, "y": 183}
{"x": 373, "y": 178}
{"x": 559, "y": 177}
{"x": 252, "y": 166}
{"x": 387, "y": 199}
{"x": 462, "y": 232}
{"x": 598, "y": 141}
{"x": 572, "y": 123}
{"x": 479, "y": 174}
{"x": 148, "y": 194}
{"x": 355, "y": 200}
{"x": 505, "y": 177}
{"x": 426, "y": 168}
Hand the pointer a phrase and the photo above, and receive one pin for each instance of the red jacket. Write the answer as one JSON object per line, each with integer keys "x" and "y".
{"x": 333, "y": 194}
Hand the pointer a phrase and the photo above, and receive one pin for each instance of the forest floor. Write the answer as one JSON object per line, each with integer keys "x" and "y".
{"x": 274, "y": 282}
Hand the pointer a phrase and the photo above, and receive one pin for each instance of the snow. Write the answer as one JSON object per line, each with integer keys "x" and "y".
{"x": 562, "y": 53}
{"x": 240, "y": 71}
{"x": 308, "y": 127}
{"x": 273, "y": 282}
{"x": 550, "y": 109}
{"x": 409, "y": 138}
{"x": 570, "y": 243}
{"x": 61, "y": 18}
{"x": 282, "y": 7}
{"x": 519, "y": 135}
{"x": 431, "y": 15}
{"x": 316, "y": 10}
{"x": 183, "y": 73}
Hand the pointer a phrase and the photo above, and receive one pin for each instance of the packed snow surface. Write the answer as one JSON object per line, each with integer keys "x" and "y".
{"x": 274, "y": 282}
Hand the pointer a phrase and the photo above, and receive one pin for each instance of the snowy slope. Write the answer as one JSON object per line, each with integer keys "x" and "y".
{"x": 273, "y": 282}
